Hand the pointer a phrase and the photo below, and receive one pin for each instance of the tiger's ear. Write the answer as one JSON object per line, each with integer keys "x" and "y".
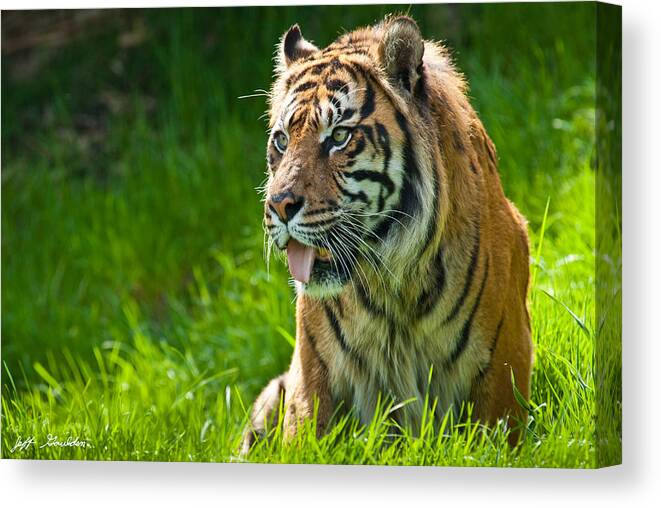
{"x": 401, "y": 51}
{"x": 294, "y": 47}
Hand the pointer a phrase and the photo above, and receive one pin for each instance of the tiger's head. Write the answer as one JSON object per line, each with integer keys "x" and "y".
{"x": 341, "y": 169}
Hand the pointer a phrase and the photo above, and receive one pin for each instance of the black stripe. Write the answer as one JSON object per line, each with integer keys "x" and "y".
{"x": 319, "y": 211}
{"x": 410, "y": 165}
{"x": 317, "y": 223}
{"x": 313, "y": 344}
{"x": 367, "y": 303}
{"x": 336, "y": 65}
{"x": 340, "y": 307}
{"x": 367, "y": 130}
{"x": 492, "y": 347}
{"x": 409, "y": 201}
{"x": 469, "y": 280}
{"x": 496, "y": 336}
{"x": 368, "y": 105}
{"x": 329, "y": 116}
{"x": 318, "y": 68}
{"x": 335, "y": 84}
{"x": 299, "y": 116}
{"x": 353, "y": 69}
{"x": 360, "y": 146}
{"x": 347, "y": 113}
{"x": 305, "y": 86}
{"x": 325, "y": 146}
{"x": 335, "y": 102}
{"x": 309, "y": 69}
{"x": 356, "y": 39}
{"x": 420, "y": 85}
{"x": 381, "y": 204}
{"x": 373, "y": 176}
{"x": 428, "y": 298}
{"x": 466, "y": 329}
{"x": 433, "y": 220}
{"x": 360, "y": 196}
{"x": 341, "y": 339}
{"x": 473, "y": 167}
{"x": 383, "y": 228}
{"x": 353, "y": 50}
{"x": 384, "y": 142}
{"x": 316, "y": 115}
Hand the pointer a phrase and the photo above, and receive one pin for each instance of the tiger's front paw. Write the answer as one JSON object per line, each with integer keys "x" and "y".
{"x": 265, "y": 413}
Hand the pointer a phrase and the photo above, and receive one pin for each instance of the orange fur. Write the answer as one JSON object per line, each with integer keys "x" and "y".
{"x": 449, "y": 287}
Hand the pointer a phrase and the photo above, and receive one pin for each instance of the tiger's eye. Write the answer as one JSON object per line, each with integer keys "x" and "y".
{"x": 280, "y": 141}
{"x": 341, "y": 135}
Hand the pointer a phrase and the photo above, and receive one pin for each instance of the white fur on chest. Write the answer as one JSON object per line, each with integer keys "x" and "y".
{"x": 396, "y": 364}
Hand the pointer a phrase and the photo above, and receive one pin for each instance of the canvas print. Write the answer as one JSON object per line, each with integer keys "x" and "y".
{"x": 378, "y": 235}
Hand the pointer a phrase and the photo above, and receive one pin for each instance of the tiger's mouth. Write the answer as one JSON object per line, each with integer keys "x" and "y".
{"x": 303, "y": 258}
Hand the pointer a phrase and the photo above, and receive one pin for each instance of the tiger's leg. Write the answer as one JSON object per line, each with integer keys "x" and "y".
{"x": 492, "y": 391}
{"x": 307, "y": 387}
{"x": 302, "y": 386}
{"x": 264, "y": 412}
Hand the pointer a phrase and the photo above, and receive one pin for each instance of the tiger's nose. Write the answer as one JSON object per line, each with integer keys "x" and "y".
{"x": 285, "y": 205}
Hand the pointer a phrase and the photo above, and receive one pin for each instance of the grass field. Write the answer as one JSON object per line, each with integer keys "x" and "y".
{"x": 137, "y": 312}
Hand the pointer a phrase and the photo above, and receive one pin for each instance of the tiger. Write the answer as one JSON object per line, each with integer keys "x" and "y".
{"x": 410, "y": 266}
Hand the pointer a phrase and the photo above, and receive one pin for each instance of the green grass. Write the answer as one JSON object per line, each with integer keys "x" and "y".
{"x": 138, "y": 313}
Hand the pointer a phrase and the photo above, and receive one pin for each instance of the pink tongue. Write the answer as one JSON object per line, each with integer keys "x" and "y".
{"x": 300, "y": 258}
